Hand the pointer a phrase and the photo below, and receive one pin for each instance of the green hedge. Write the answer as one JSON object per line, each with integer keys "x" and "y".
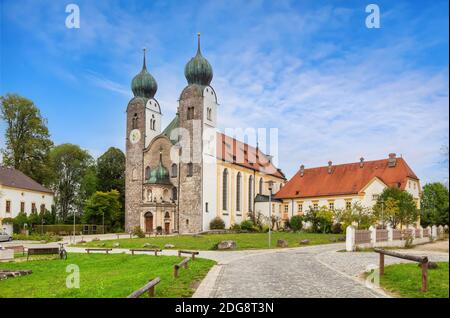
{"x": 60, "y": 229}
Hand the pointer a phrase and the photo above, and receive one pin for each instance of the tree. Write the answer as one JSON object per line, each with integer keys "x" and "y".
{"x": 434, "y": 207}
{"x": 296, "y": 223}
{"x": 69, "y": 164}
{"x": 103, "y": 205}
{"x": 27, "y": 137}
{"x": 402, "y": 205}
{"x": 111, "y": 174}
{"x": 320, "y": 220}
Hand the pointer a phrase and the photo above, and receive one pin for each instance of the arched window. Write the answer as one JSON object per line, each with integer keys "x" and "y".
{"x": 147, "y": 173}
{"x": 225, "y": 190}
{"x": 167, "y": 215}
{"x": 250, "y": 194}
{"x": 238, "y": 192}
{"x": 166, "y": 195}
{"x": 134, "y": 121}
{"x": 190, "y": 169}
{"x": 174, "y": 194}
{"x": 261, "y": 186}
{"x": 174, "y": 170}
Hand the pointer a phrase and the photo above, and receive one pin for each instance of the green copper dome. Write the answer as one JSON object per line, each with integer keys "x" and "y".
{"x": 159, "y": 175}
{"x": 198, "y": 70}
{"x": 144, "y": 84}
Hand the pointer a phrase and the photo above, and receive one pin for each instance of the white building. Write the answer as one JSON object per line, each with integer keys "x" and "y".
{"x": 20, "y": 193}
{"x": 341, "y": 186}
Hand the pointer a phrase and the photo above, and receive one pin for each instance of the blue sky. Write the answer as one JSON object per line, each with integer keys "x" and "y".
{"x": 335, "y": 89}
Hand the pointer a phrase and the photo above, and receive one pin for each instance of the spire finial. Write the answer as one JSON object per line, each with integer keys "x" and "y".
{"x": 198, "y": 44}
{"x": 144, "y": 66}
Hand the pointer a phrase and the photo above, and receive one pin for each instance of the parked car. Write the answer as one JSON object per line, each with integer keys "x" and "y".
{"x": 5, "y": 237}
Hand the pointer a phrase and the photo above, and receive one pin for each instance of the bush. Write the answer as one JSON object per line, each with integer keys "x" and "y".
{"x": 247, "y": 225}
{"x": 137, "y": 231}
{"x": 296, "y": 223}
{"x": 235, "y": 227}
{"x": 217, "y": 224}
{"x": 47, "y": 237}
{"x": 336, "y": 228}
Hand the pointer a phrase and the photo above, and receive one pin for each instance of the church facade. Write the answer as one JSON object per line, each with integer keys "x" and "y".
{"x": 180, "y": 178}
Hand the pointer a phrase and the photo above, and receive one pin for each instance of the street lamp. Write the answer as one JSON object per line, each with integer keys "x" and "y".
{"x": 270, "y": 186}
{"x": 382, "y": 213}
{"x": 103, "y": 222}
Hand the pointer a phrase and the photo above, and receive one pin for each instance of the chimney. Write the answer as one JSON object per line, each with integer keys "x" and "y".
{"x": 361, "y": 162}
{"x": 392, "y": 161}
{"x": 302, "y": 170}
{"x": 329, "y": 166}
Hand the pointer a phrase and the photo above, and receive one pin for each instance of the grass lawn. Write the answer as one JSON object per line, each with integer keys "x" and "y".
{"x": 114, "y": 275}
{"x": 207, "y": 241}
{"x": 405, "y": 280}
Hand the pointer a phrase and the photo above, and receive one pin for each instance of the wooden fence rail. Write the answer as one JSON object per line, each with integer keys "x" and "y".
{"x": 149, "y": 287}
{"x": 183, "y": 263}
{"x": 192, "y": 253}
{"x": 420, "y": 259}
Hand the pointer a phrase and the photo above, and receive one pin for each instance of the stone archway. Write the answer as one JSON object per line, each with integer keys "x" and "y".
{"x": 148, "y": 222}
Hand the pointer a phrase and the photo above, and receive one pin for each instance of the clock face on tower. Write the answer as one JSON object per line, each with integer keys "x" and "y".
{"x": 135, "y": 136}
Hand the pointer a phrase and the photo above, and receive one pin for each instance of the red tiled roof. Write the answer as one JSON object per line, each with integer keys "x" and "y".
{"x": 11, "y": 177}
{"x": 345, "y": 179}
{"x": 233, "y": 151}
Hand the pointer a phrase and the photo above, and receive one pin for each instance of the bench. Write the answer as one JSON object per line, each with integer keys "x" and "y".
{"x": 154, "y": 250}
{"x": 192, "y": 253}
{"x": 42, "y": 251}
{"x": 149, "y": 287}
{"x": 16, "y": 249}
{"x": 106, "y": 250}
{"x": 176, "y": 267}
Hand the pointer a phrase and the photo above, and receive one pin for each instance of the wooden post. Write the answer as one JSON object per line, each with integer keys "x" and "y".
{"x": 424, "y": 276}
{"x": 186, "y": 265}
{"x": 193, "y": 256}
{"x": 175, "y": 271}
{"x": 381, "y": 264}
{"x": 156, "y": 252}
{"x": 151, "y": 292}
{"x": 179, "y": 253}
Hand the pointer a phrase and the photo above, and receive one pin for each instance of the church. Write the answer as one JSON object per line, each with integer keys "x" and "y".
{"x": 181, "y": 177}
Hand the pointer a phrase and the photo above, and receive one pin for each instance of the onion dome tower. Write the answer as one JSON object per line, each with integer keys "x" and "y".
{"x": 144, "y": 84}
{"x": 159, "y": 175}
{"x": 198, "y": 70}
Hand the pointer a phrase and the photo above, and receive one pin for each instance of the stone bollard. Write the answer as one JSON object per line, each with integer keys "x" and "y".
{"x": 390, "y": 233}
{"x": 350, "y": 239}
{"x": 434, "y": 232}
{"x": 440, "y": 232}
{"x": 373, "y": 234}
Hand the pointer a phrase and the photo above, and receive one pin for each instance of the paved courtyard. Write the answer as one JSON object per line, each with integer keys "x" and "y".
{"x": 310, "y": 271}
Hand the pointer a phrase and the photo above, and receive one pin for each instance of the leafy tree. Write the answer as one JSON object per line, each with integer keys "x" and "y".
{"x": 387, "y": 211}
{"x": 89, "y": 183}
{"x": 321, "y": 220}
{"x": 27, "y": 138}
{"x": 69, "y": 164}
{"x": 434, "y": 204}
{"x": 111, "y": 171}
{"x": 103, "y": 204}
{"x": 402, "y": 207}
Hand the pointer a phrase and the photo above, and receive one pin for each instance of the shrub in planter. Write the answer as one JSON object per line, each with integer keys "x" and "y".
{"x": 137, "y": 231}
{"x": 235, "y": 227}
{"x": 217, "y": 224}
{"x": 247, "y": 225}
{"x": 296, "y": 223}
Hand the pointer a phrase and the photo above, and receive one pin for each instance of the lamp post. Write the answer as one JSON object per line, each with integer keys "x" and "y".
{"x": 270, "y": 186}
{"x": 103, "y": 222}
{"x": 382, "y": 213}
{"x": 73, "y": 226}
{"x": 42, "y": 225}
